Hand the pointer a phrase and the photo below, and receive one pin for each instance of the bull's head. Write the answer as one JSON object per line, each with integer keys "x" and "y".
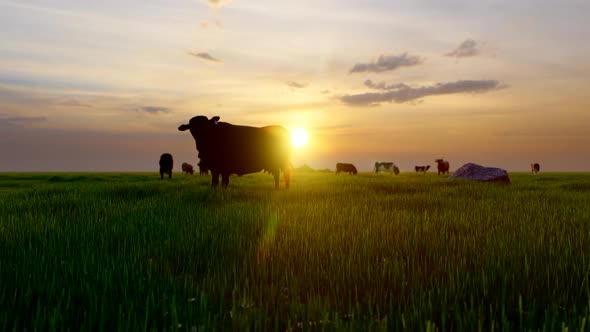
{"x": 199, "y": 123}
{"x": 199, "y": 126}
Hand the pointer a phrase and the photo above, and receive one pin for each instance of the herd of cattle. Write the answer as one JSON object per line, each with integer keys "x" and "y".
{"x": 225, "y": 149}
{"x": 383, "y": 166}
{"x": 167, "y": 163}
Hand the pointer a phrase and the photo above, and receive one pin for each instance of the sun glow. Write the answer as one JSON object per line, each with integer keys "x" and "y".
{"x": 299, "y": 137}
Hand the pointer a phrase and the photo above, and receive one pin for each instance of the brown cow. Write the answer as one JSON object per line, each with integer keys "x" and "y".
{"x": 188, "y": 168}
{"x": 443, "y": 166}
{"x": 345, "y": 167}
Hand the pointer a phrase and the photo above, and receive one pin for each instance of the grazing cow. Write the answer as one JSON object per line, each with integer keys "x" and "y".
{"x": 422, "y": 168}
{"x": 386, "y": 167}
{"x": 166, "y": 164}
{"x": 344, "y": 167}
{"x": 535, "y": 168}
{"x": 203, "y": 170}
{"x": 188, "y": 168}
{"x": 230, "y": 149}
{"x": 443, "y": 166}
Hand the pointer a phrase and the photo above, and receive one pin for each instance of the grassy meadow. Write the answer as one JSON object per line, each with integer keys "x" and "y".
{"x": 128, "y": 251}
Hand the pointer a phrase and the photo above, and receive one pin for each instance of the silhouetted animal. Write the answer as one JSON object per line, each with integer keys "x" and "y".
{"x": 344, "y": 167}
{"x": 422, "y": 168}
{"x": 203, "y": 169}
{"x": 386, "y": 167}
{"x": 166, "y": 164}
{"x": 443, "y": 166}
{"x": 535, "y": 168}
{"x": 188, "y": 168}
{"x": 230, "y": 149}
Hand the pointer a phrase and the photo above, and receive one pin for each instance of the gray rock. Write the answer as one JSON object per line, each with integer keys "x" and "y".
{"x": 472, "y": 171}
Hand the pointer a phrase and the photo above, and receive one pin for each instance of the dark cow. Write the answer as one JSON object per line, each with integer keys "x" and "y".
{"x": 188, "y": 168}
{"x": 230, "y": 149}
{"x": 443, "y": 166}
{"x": 423, "y": 169}
{"x": 166, "y": 164}
{"x": 203, "y": 170}
{"x": 386, "y": 167}
{"x": 344, "y": 167}
{"x": 535, "y": 168}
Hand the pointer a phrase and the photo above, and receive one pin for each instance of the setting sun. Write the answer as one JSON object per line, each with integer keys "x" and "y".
{"x": 299, "y": 137}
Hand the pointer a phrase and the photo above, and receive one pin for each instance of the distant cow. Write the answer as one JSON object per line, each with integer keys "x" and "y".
{"x": 422, "y": 168}
{"x": 166, "y": 164}
{"x": 386, "y": 167}
{"x": 344, "y": 167}
{"x": 443, "y": 166}
{"x": 230, "y": 149}
{"x": 203, "y": 169}
{"x": 188, "y": 168}
{"x": 535, "y": 168}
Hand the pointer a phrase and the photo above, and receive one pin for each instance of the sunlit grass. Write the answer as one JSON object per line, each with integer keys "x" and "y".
{"x": 131, "y": 251}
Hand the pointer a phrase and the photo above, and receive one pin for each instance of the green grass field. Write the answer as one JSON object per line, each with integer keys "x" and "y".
{"x": 129, "y": 251}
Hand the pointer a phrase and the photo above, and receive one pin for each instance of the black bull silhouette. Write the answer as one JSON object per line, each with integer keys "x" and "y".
{"x": 227, "y": 149}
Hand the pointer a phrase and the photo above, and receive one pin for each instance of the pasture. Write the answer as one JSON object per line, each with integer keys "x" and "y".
{"x": 109, "y": 251}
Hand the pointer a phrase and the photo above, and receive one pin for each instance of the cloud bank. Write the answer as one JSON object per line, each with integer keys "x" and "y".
{"x": 387, "y": 63}
{"x": 205, "y": 56}
{"x": 383, "y": 86}
{"x": 401, "y": 93}
{"x": 468, "y": 48}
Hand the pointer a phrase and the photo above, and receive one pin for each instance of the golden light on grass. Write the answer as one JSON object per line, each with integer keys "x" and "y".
{"x": 299, "y": 137}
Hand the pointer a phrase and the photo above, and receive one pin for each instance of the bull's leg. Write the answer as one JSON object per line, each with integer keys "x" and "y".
{"x": 287, "y": 176}
{"x": 170, "y": 175}
{"x": 276, "y": 174}
{"x": 214, "y": 178}
{"x": 161, "y": 174}
{"x": 224, "y": 180}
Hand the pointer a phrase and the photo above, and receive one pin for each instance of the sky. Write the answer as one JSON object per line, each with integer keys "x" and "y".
{"x": 91, "y": 85}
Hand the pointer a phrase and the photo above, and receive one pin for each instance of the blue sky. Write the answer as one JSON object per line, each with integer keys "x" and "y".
{"x": 500, "y": 83}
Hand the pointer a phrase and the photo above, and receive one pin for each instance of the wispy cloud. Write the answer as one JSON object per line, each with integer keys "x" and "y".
{"x": 297, "y": 85}
{"x": 154, "y": 109}
{"x": 401, "y": 93}
{"x": 19, "y": 120}
{"x": 467, "y": 48}
{"x": 74, "y": 103}
{"x": 205, "y": 56}
{"x": 387, "y": 63}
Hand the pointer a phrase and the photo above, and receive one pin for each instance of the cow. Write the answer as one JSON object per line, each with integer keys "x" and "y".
{"x": 166, "y": 164}
{"x": 443, "y": 166}
{"x": 188, "y": 168}
{"x": 386, "y": 167}
{"x": 203, "y": 170}
{"x": 422, "y": 168}
{"x": 535, "y": 168}
{"x": 227, "y": 149}
{"x": 344, "y": 167}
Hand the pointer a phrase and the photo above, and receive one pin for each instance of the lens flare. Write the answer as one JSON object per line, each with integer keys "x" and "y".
{"x": 299, "y": 137}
